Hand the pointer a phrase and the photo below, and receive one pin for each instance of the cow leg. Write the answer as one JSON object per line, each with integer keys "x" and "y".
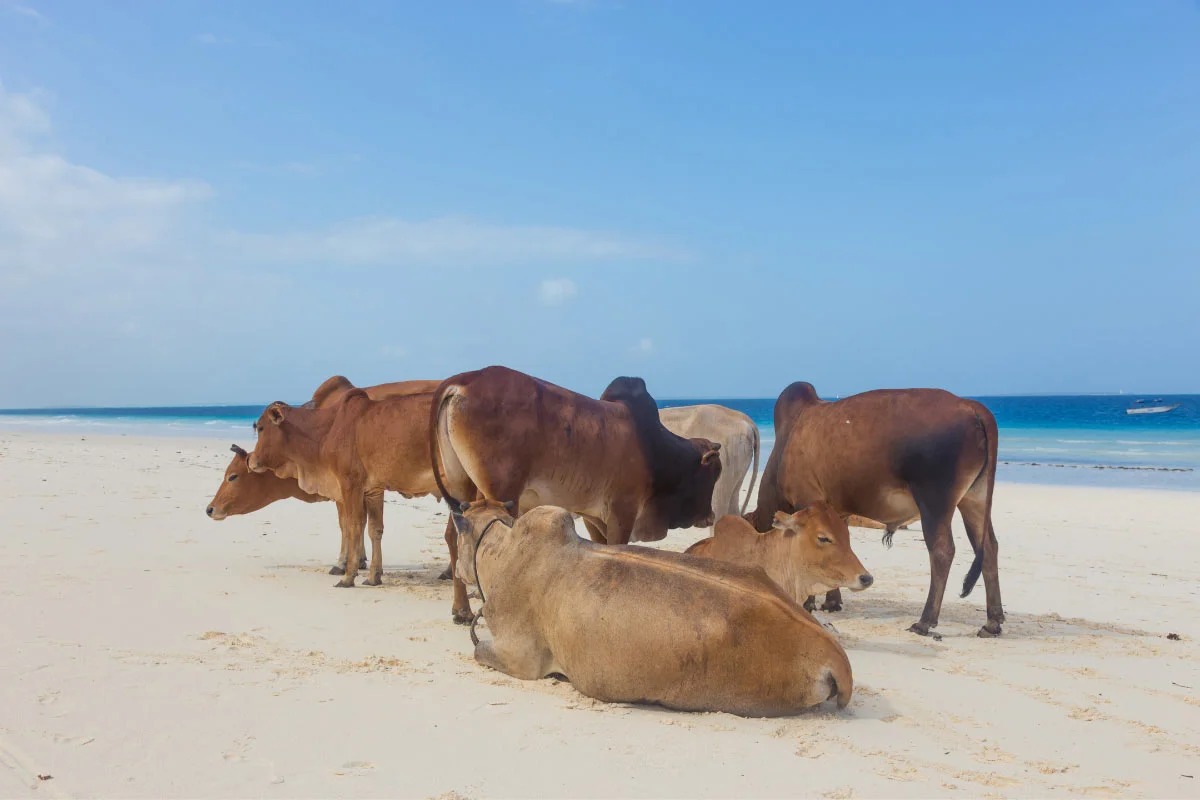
{"x": 935, "y": 524}
{"x": 810, "y": 604}
{"x": 833, "y": 601}
{"x": 596, "y": 531}
{"x": 340, "y": 567}
{"x": 460, "y": 611}
{"x": 374, "y": 511}
{"x": 351, "y": 517}
{"x": 974, "y": 510}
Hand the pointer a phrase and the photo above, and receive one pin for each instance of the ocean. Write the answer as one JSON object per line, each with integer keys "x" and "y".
{"x": 1074, "y": 439}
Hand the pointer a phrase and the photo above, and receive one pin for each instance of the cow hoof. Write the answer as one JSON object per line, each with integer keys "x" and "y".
{"x": 345, "y": 583}
{"x": 827, "y": 606}
{"x": 921, "y": 629}
{"x": 336, "y": 570}
{"x": 446, "y": 574}
{"x": 362, "y": 564}
{"x": 810, "y": 605}
{"x": 376, "y": 580}
{"x": 463, "y": 617}
{"x": 990, "y": 631}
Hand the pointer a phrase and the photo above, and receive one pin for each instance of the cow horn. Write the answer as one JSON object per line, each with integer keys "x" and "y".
{"x": 463, "y": 506}
{"x": 716, "y": 445}
{"x": 235, "y": 449}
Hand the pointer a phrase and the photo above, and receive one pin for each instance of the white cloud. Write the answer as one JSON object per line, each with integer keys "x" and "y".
{"x": 645, "y": 346}
{"x": 212, "y": 39}
{"x": 27, "y": 11}
{"x": 556, "y": 291}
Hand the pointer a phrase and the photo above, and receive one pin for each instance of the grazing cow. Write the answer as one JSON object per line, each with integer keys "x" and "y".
{"x": 805, "y": 553}
{"x": 738, "y": 436}
{"x": 888, "y": 455}
{"x": 503, "y": 435}
{"x": 632, "y": 624}
{"x": 241, "y": 494}
{"x": 351, "y": 451}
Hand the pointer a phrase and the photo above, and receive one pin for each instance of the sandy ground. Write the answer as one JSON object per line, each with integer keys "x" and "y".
{"x": 147, "y": 651}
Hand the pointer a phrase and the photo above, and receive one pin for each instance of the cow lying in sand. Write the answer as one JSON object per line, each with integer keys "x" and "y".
{"x": 351, "y": 452}
{"x": 638, "y": 625}
{"x": 738, "y": 436}
{"x": 887, "y": 455}
{"x": 244, "y": 492}
{"x": 805, "y": 553}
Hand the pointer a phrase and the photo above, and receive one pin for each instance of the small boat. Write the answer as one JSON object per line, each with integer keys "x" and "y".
{"x": 1140, "y": 407}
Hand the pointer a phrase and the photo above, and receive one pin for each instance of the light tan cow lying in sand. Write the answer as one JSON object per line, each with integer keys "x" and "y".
{"x": 629, "y": 624}
{"x": 805, "y": 553}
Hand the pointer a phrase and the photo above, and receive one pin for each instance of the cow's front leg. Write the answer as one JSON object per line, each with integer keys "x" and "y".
{"x": 351, "y": 517}
{"x": 833, "y": 601}
{"x": 374, "y": 511}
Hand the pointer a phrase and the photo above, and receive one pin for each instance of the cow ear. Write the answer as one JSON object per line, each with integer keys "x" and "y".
{"x": 709, "y": 457}
{"x": 781, "y": 520}
{"x": 275, "y": 414}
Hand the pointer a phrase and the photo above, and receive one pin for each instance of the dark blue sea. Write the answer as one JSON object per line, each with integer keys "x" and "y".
{"x": 1043, "y": 439}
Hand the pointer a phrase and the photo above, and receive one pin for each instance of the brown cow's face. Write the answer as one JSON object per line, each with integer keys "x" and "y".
{"x": 244, "y": 492}
{"x": 693, "y": 506}
{"x": 818, "y": 542}
{"x": 472, "y": 522}
{"x": 270, "y": 451}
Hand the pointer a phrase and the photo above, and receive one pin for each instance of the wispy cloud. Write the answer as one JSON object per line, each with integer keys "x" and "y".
{"x": 644, "y": 346}
{"x": 556, "y": 291}
{"x": 212, "y": 40}
{"x": 27, "y": 11}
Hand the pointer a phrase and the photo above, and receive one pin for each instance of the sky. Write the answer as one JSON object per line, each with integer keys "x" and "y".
{"x": 208, "y": 202}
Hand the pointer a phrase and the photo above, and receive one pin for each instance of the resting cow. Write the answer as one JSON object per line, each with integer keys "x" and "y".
{"x": 351, "y": 452}
{"x": 503, "y": 435}
{"x": 805, "y": 553}
{"x": 888, "y": 455}
{"x": 638, "y": 625}
{"x": 244, "y": 492}
{"x": 738, "y": 436}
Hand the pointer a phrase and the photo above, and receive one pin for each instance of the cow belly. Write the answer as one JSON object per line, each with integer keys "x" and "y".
{"x": 890, "y": 505}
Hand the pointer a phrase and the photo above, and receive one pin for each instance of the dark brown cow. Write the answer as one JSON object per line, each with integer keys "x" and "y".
{"x": 244, "y": 492}
{"x": 888, "y": 455}
{"x": 351, "y": 451}
{"x": 501, "y": 435}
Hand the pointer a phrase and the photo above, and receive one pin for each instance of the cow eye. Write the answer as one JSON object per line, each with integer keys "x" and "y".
{"x": 232, "y": 478}
{"x": 824, "y": 540}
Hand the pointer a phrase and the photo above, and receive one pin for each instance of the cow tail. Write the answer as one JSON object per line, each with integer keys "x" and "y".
{"x": 991, "y": 442}
{"x": 441, "y": 397}
{"x": 753, "y": 471}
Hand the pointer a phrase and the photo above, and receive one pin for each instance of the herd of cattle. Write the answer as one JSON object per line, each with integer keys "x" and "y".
{"x": 724, "y": 626}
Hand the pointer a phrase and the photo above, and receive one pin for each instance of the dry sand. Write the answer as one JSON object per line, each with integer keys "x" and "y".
{"x": 148, "y": 651}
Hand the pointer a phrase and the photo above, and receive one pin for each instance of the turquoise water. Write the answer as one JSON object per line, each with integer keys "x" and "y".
{"x": 1069, "y": 439}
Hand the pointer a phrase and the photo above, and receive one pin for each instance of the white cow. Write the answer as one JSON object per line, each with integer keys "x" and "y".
{"x": 738, "y": 436}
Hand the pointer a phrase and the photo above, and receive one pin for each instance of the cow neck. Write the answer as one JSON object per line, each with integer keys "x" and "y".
{"x": 479, "y": 578}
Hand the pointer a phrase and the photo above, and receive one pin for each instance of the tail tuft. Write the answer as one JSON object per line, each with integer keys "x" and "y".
{"x": 973, "y": 573}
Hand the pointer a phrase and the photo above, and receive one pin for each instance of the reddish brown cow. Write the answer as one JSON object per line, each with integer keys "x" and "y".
{"x": 888, "y": 455}
{"x": 351, "y": 452}
{"x": 243, "y": 491}
{"x": 501, "y": 435}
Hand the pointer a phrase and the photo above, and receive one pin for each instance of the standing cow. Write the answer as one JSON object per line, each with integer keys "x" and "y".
{"x": 498, "y": 434}
{"x": 738, "y": 436}
{"x": 888, "y": 455}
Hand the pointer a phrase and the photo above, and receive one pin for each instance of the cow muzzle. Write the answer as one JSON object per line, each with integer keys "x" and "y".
{"x": 864, "y": 582}
{"x": 214, "y": 513}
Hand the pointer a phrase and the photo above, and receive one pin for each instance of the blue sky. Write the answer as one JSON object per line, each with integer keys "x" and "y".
{"x": 229, "y": 201}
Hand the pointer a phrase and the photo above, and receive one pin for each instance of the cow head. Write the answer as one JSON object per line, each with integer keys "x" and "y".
{"x": 691, "y": 503}
{"x": 243, "y": 491}
{"x": 272, "y": 430}
{"x": 471, "y": 522}
{"x": 816, "y": 543}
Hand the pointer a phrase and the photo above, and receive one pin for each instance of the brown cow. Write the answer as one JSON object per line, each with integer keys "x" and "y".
{"x": 887, "y": 455}
{"x": 503, "y": 435}
{"x": 351, "y": 452}
{"x": 630, "y": 624}
{"x": 240, "y": 494}
{"x": 805, "y": 553}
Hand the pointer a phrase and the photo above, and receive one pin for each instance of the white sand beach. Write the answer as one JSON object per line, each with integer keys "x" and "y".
{"x": 146, "y": 651}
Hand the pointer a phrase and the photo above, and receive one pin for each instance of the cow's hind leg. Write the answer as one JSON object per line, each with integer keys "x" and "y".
{"x": 374, "y": 511}
{"x": 978, "y": 522}
{"x": 525, "y": 661}
{"x": 833, "y": 601}
{"x": 460, "y": 611}
{"x": 935, "y": 524}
